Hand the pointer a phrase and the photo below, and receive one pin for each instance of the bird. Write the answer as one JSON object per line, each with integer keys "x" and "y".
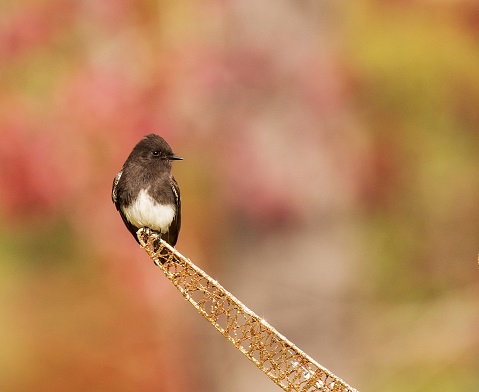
{"x": 144, "y": 191}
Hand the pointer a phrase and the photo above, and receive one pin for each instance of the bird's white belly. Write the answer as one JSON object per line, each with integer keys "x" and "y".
{"x": 144, "y": 211}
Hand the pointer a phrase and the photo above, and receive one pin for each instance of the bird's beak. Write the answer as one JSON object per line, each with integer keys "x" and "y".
{"x": 175, "y": 158}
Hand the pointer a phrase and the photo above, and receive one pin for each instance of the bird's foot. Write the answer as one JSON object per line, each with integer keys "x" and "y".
{"x": 156, "y": 241}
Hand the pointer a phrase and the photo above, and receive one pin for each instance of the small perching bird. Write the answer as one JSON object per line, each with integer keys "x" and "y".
{"x": 144, "y": 191}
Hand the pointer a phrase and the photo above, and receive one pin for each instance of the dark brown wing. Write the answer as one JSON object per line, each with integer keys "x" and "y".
{"x": 116, "y": 197}
{"x": 114, "y": 188}
{"x": 172, "y": 235}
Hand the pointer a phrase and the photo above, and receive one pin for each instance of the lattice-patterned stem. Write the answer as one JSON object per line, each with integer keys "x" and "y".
{"x": 276, "y": 356}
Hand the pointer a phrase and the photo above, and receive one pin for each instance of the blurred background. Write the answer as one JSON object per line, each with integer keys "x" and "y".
{"x": 330, "y": 181}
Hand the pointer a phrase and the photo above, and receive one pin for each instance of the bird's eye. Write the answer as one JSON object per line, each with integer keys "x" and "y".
{"x": 156, "y": 153}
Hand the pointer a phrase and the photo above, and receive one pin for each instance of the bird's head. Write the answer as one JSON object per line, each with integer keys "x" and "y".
{"x": 153, "y": 149}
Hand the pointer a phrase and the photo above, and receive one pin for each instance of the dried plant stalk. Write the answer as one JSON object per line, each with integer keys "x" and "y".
{"x": 276, "y": 356}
